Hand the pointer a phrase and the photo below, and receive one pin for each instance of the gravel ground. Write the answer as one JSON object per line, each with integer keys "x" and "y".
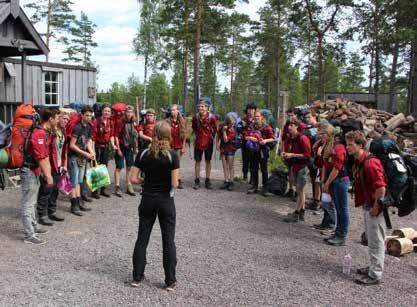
{"x": 233, "y": 249}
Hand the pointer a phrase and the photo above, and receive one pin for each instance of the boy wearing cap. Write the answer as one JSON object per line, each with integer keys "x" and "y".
{"x": 204, "y": 126}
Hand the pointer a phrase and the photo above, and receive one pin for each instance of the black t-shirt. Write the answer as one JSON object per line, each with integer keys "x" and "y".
{"x": 157, "y": 171}
{"x": 83, "y": 134}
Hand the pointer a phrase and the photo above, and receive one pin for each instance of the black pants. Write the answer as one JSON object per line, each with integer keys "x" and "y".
{"x": 44, "y": 196}
{"x": 54, "y": 195}
{"x": 313, "y": 174}
{"x": 102, "y": 155}
{"x": 245, "y": 161}
{"x": 258, "y": 160}
{"x": 163, "y": 207}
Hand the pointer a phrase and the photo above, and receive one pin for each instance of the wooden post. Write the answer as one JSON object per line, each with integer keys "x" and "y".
{"x": 137, "y": 107}
{"x": 23, "y": 75}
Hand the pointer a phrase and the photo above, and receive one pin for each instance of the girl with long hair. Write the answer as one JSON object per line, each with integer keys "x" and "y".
{"x": 160, "y": 164}
{"x": 126, "y": 145}
{"x": 227, "y": 149}
{"x": 178, "y": 133}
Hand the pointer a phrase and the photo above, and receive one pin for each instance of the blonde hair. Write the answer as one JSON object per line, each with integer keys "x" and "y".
{"x": 328, "y": 147}
{"x": 181, "y": 120}
{"x": 161, "y": 140}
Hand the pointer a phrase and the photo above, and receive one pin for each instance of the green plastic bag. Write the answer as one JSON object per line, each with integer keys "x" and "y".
{"x": 97, "y": 177}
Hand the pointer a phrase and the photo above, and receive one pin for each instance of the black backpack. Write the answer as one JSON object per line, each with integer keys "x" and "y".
{"x": 278, "y": 181}
{"x": 408, "y": 201}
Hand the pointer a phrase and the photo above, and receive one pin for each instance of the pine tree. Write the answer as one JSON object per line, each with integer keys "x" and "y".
{"x": 58, "y": 16}
{"x": 81, "y": 42}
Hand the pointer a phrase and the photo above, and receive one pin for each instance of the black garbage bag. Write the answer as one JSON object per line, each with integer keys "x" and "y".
{"x": 278, "y": 181}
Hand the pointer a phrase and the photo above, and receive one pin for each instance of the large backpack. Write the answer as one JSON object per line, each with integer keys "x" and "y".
{"x": 24, "y": 121}
{"x": 74, "y": 119}
{"x": 401, "y": 173}
{"x": 238, "y": 126}
{"x": 278, "y": 181}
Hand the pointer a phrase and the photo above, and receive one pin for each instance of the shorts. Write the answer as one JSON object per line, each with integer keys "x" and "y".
{"x": 300, "y": 179}
{"x": 229, "y": 153}
{"x": 76, "y": 171}
{"x": 208, "y": 153}
{"x": 127, "y": 156}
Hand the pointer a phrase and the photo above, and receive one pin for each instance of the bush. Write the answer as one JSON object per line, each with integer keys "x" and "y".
{"x": 275, "y": 161}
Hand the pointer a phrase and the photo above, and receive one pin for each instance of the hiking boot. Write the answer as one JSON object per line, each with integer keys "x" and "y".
{"x": 252, "y": 190}
{"x": 117, "y": 191}
{"x": 266, "y": 193}
{"x": 225, "y": 185}
{"x": 130, "y": 191}
{"x": 75, "y": 206}
{"x": 136, "y": 283}
{"x": 363, "y": 271}
{"x": 230, "y": 186}
{"x": 313, "y": 205}
{"x": 95, "y": 194}
{"x": 56, "y": 218}
{"x": 302, "y": 212}
{"x": 104, "y": 193}
{"x": 337, "y": 241}
{"x": 292, "y": 217}
{"x": 34, "y": 240}
{"x": 44, "y": 220}
{"x": 367, "y": 281}
{"x": 180, "y": 186}
{"x": 86, "y": 198}
{"x": 83, "y": 206}
{"x": 320, "y": 227}
{"x": 290, "y": 193}
{"x": 196, "y": 185}
{"x": 208, "y": 184}
{"x": 331, "y": 236}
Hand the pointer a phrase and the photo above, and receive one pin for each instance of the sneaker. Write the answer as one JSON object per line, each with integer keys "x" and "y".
{"x": 320, "y": 227}
{"x": 230, "y": 186}
{"x": 363, "y": 271}
{"x": 170, "y": 287}
{"x": 337, "y": 241}
{"x": 252, "y": 190}
{"x": 196, "y": 185}
{"x": 293, "y": 217}
{"x": 367, "y": 281}
{"x": 208, "y": 184}
{"x": 180, "y": 186}
{"x": 34, "y": 240}
{"x": 136, "y": 283}
{"x": 130, "y": 191}
{"x": 266, "y": 193}
{"x": 117, "y": 191}
{"x": 332, "y": 235}
{"x": 56, "y": 218}
{"x": 224, "y": 186}
{"x": 327, "y": 232}
{"x": 44, "y": 220}
{"x": 313, "y": 205}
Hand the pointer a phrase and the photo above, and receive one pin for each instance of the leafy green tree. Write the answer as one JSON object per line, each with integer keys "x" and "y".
{"x": 81, "y": 41}
{"x": 158, "y": 92}
{"x": 147, "y": 41}
{"x": 353, "y": 74}
{"x": 58, "y": 16}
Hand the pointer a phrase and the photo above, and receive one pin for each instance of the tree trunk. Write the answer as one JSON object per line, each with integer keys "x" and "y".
{"x": 377, "y": 54}
{"x": 278, "y": 59}
{"x": 393, "y": 80}
{"x": 232, "y": 74}
{"x": 309, "y": 67}
{"x": 413, "y": 79}
{"x": 185, "y": 55}
{"x": 145, "y": 82}
{"x": 371, "y": 72}
{"x": 198, "y": 22}
{"x": 48, "y": 28}
{"x": 320, "y": 89}
{"x": 269, "y": 102}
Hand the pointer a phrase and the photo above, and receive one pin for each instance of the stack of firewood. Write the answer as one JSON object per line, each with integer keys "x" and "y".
{"x": 376, "y": 123}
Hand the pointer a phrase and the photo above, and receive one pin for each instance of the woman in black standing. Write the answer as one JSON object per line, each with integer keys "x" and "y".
{"x": 160, "y": 165}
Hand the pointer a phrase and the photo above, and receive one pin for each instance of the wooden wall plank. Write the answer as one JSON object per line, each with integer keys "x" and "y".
{"x": 72, "y": 85}
{"x": 79, "y": 85}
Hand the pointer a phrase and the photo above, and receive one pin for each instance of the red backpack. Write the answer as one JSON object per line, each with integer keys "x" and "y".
{"x": 75, "y": 118}
{"x": 24, "y": 121}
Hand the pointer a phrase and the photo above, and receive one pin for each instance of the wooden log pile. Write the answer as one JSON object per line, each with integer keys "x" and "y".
{"x": 376, "y": 123}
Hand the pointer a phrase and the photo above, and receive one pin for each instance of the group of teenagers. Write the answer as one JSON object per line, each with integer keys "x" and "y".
{"x": 151, "y": 151}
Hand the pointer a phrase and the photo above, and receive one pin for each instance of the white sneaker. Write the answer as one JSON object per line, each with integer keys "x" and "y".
{"x": 34, "y": 240}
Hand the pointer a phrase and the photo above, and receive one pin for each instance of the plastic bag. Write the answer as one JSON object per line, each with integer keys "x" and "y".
{"x": 97, "y": 177}
{"x": 64, "y": 185}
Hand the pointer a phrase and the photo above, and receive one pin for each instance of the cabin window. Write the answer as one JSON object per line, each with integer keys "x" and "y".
{"x": 52, "y": 88}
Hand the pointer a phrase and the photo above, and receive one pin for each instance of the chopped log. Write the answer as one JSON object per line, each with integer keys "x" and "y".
{"x": 370, "y": 122}
{"x": 374, "y": 135}
{"x": 400, "y": 247}
{"x": 409, "y": 233}
{"x": 395, "y": 121}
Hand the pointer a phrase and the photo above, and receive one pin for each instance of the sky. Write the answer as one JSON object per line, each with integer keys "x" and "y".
{"x": 117, "y": 23}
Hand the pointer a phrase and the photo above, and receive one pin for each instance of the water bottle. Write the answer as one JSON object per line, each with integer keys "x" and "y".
{"x": 347, "y": 264}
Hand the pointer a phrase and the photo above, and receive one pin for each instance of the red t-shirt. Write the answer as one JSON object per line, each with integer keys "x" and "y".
{"x": 205, "y": 131}
{"x": 227, "y": 146}
{"x": 336, "y": 160}
{"x": 318, "y": 160}
{"x": 104, "y": 132}
{"x": 147, "y": 129}
{"x": 374, "y": 178}
{"x": 176, "y": 141}
{"x": 118, "y": 126}
{"x": 299, "y": 144}
{"x": 39, "y": 147}
{"x": 286, "y": 136}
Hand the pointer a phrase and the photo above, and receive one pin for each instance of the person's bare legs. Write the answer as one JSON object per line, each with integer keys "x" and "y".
{"x": 197, "y": 167}
{"x": 208, "y": 169}
{"x": 225, "y": 168}
{"x": 230, "y": 160}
